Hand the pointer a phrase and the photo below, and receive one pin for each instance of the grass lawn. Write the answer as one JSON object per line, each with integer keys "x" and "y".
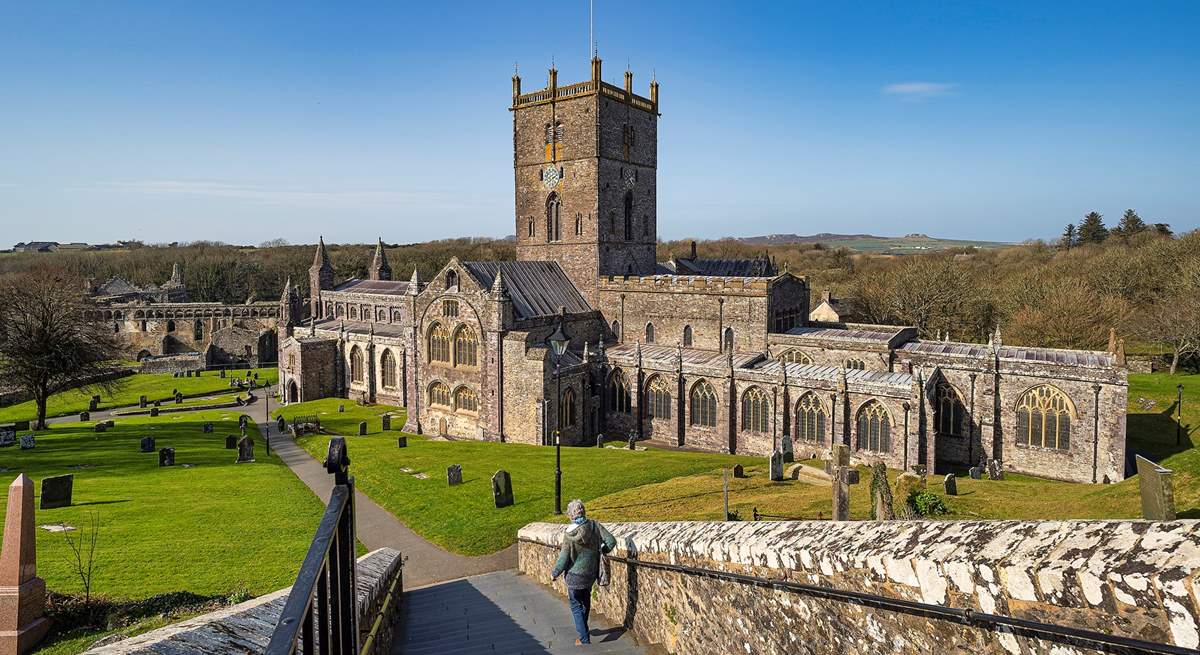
{"x": 211, "y": 529}
{"x": 463, "y": 518}
{"x": 155, "y": 386}
{"x": 1017, "y": 496}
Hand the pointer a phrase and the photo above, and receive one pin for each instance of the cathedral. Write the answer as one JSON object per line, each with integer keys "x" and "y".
{"x": 717, "y": 355}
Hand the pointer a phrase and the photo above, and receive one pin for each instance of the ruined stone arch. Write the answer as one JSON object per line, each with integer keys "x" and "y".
{"x": 1044, "y": 417}
{"x": 874, "y": 427}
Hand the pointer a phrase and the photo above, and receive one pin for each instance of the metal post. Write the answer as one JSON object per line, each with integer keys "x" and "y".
{"x": 267, "y": 393}
{"x": 1179, "y": 415}
{"x": 558, "y": 444}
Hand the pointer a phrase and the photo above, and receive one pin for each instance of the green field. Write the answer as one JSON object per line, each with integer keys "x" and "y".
{"x": 463, "y": 518}
{"x": 205, "y": 525}
{"x": 155, "y": 386}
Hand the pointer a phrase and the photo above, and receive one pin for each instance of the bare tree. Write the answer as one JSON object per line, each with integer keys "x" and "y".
{"x": 83, "y": 551}
{"x": 47, "y": 344}
{"x": 1176, "y": 323}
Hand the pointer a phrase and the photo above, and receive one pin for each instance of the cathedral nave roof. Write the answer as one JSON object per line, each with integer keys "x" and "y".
{"x": 536, "y": 288}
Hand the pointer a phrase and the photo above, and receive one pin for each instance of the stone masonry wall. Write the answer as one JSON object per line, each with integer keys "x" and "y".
{"x": 1132, "y": 578}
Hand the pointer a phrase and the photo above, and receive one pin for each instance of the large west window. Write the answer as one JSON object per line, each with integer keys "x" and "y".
{"x": 439, "y": 343}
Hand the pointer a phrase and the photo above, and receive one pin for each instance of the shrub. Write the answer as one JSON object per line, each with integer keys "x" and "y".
{"x": 926, "y": 503}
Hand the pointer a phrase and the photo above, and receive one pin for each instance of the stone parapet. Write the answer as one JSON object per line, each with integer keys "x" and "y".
{"x": 247, "y": 627}
{"x": 1135, "y": 579}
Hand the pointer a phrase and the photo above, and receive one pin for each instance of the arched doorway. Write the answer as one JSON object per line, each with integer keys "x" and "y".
{"x": 293, "y": 395}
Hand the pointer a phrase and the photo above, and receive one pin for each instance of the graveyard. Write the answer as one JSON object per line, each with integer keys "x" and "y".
{"x": 203, "y": 525}
{"x": 155, "y": 386}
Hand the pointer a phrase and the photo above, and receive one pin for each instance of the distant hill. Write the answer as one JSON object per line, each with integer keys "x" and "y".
{"x": 870, "y": 242}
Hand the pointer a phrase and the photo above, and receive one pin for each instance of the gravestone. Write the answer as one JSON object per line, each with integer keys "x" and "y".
{"x": 387, "y": 422}
{"x": 153, "y": 412}
{"x": 776, "y": 464}
{"x": 207, "y": 428}
{"x": 843, "y": 477}
{"x": 789, "y": 455}
{"x": 175, "y": 374}
{"x": 976, "y": 472}
{"x": 100, "y": 427}
{"x": 56, "y": 491}
{"x": 502, "y": 492}
{"x": 142, "y": 402}
{"x": 839, "y": 455}
{"x": 738, "y": 471}
{"x": 632, "y": 442}
{"x": 147, "y": 444}
{"x": 341, "y": 409}
{"x": 231, "y": 441}
{"x": 199, "y": 371}
{"x": 84, "y": 416}
{"x": 156, "y": 403}
{"x": 253, "y": 385}
{"x": 94, "y": 403}
{"x": 282, "y": 424}
{"x": 27, "y": 442}
{"x": 166, "y": 457}
{"x": 110, "y": 423}
{"x": 402, "y": 442}
{"x": 7, "y": 437}
{"x": 222, "y": 374}
{"x": 256, "y": 375}
{"x": 950, "y": 485}
{"x": 600, "y": 441}
{"x": 245, "y": 448}
{"x": 995, "y": 469}
{"x": 21, "y": 425}
{"x": 243, "y": 429}
{"x": 882, "y": 506}
{"x": 454, "y": 474}
{"x": 362, "y": 428}
{"x": 174, "y": 391}
{"x": 178, "y": 398}
{"x": 239, "y": 401}
{"x": 1158, "y": 492}
{"x": 188, "y": 373}
{"x": 906, "y": 484}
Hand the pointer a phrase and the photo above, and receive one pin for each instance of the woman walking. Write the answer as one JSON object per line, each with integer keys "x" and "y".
{"x": 579, "y": 558}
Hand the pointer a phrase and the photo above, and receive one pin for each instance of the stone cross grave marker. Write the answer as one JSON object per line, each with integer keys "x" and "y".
{"x": 243, "y": 430}
{"x": 28, "y": 442}
{"x": 402, "y": 442}
{"x": 600, "y": 440}
{"x": 738, "y": 471}
{"x": 231, "y": 442}
{"x": 632, "y": 442}
{"x": 147, "y": 445}
{"x": 839, "y": 455}
{"x": 843, "y": 477}
{"x": 950, "y": 485}
{"x": 882, "y": 505}
{"x": 362, "y": 428}
{"x": 789, "y": 454}
{"x": 995, "y": 469}
{"x": 1158, "y": 492}
{"x": 243, "y": 420}
{"x": 166, "y": 457}
{"x": 56, "y": 491}
{"x": 142, "y": 402}
{"x": 178, "y": 398}
{"x": 387, "y": 422}
{"x": 776, "y": 463}
{"x": 502, "y": 492}
{"x": 454, "y": 474}
{"x": 245, "y": 448}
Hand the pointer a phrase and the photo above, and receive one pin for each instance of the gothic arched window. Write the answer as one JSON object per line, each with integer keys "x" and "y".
{"x": 465, "y": 346}
{"x": 704, "y": 405}
{"x": 198, "y": 330}
{"x": 618, "y": 392}
{"x": 465, "y": 400}
{"x": 649, "y": 333}
{"x": 531, "y": 227}
{"x": 578, "y": 224}
{"x": 810, "y": 419}
{"x": 874, "y": 428}
{"x": 658, "y": 397}
{"x": 356, "y": 364}
{"x": 439, "y": 394}
{"x": 687, "y": 336}
{"x": 387, "y": 365}
{"x": 855, "y": 364}
{"x": 951, "y": 414}
{"x": 566, "y": 410}
{"x": 727, "y": 341}
{"x": 1044, "y": 416}
{"x": 756, "y": 410}
{"x": 170, "y": 326}
{"x": 439, "y": 344}
{"x": 628, "y": 215}
{"x": 553, "y": 218}
{"x": 451, "y": 279}
{"x": 616, "y": 330}
{"x": 795, "y": 357}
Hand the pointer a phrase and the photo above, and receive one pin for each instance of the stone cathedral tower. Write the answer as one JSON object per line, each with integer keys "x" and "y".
{"x": 585, "y": 159}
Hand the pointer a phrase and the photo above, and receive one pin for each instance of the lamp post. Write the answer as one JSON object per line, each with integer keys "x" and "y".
{"x": 558, "y": 343}
{"x": 1179, "y": 415}
{"x": 267, "y": 395}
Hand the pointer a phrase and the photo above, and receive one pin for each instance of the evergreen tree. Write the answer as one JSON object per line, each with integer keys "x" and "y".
{"x": 1163, "y": 230}
{"x": 1070, "y": 237}
{"x": 1091, "y": 229}
{"x": 1130, "y": 225}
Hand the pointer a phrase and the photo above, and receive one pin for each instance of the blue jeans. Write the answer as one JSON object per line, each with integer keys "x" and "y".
{"x": 581, "y": 606}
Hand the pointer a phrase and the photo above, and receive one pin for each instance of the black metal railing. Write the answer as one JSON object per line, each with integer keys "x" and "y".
{"x": 320, "y": 614}
{"x": 1069, "y": 634}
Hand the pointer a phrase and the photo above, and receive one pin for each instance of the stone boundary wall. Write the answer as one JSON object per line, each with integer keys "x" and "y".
{"x": 14, "y": 396}
{"x": 247, "y": 627}
{"x": 1136, "y": 579}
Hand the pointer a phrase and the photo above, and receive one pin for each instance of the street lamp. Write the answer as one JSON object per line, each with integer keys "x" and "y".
{"x": 558, "y": 343}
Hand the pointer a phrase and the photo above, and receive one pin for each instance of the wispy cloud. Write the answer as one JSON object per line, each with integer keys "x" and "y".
{"x": 280, "y": 196}
{"x": 918, "y": 91}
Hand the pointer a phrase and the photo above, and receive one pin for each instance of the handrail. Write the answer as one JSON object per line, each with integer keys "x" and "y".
{"x": 368, "y": 647}
{"x": 968, "y": 617}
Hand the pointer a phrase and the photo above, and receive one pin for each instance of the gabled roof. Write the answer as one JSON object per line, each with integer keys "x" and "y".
{"x": 116, "y": 286}
{"x": 378, "y": 287}
{"x": 536, "y": 288}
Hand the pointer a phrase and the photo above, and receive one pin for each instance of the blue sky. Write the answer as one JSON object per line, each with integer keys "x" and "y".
{"x": 240, "y": 122}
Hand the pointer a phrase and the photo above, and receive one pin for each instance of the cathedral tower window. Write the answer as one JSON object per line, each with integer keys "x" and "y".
{"x": 704, "y": 405}
{"x": 616, "y": 330}
{"x": 387, "y": 365}
{"x": 649, "y": 333}
{"x": 628, "y": 215}
{"x": 466, "y": 345}
{"x": 1044, "y": 418}
{"x": 756, "y": 411}
{"x": 439, "y": 394}
{"x": 465, "y": 400}
{"x": 658, "y": 396}
{"x": 439, "y": 344}
{"x": 578, "y": 224}
{"x": 567, "y": 414}
{"x": 951, "y": 413}
{"x": 618, "y": 393}
{"x": 874, "y": 428}
{"x": 356, "y": 364}
{"x": 553, "y": 218}
{"x": 687, "y": 336}
{"x": 810, "y": 419}
{"x": 531, "y": 227}
{"x": 727, "y": 340}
